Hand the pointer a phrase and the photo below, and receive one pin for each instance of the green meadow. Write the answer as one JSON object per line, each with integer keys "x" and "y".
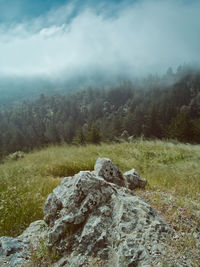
{"x": 170, "y": 168}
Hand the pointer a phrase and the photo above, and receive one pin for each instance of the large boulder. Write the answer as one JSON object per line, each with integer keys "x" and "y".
{"x": 93, "y": 217}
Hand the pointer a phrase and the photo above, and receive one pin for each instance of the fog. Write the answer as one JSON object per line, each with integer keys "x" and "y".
{"x": 129, "y": 39}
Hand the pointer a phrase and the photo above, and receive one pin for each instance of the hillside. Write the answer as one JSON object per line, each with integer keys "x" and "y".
{"x": 172, "y": 171}
{"x": 158, "y": 107}
{"x": 99, "y": 133}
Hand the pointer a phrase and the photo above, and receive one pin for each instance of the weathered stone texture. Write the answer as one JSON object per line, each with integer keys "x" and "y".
{"x": 96, "y": 215}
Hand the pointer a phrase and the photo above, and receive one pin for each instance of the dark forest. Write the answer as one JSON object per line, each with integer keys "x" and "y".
{"x": 165, "y": 107}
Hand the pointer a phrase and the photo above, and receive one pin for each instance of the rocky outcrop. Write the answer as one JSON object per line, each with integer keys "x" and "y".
{"x": 94, "y": 215}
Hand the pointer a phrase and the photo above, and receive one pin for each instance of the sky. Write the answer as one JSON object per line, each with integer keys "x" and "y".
{"x": 66, "y": 38}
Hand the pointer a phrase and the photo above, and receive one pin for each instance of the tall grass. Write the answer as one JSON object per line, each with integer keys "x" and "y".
{"x": 25, "y": 184}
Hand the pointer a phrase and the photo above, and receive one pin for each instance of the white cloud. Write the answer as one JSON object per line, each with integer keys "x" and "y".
{"x": 148, "y": 36}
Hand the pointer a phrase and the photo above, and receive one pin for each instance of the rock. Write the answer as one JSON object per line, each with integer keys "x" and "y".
{"x": 12, "y": 251}
{"x": 93, "y": 217}
{"x": 100, "y": 219}
{"x": 134, "y": 180}
{"x": 105, "y": 168}
{"x": 16, "y": 251}
{"x": 9, "y": 245}
{"x": 16, "y": 155}
{"x": 36, "y": 230}
{"x": 79, "y": 197}
{"x": 51, "y": 208}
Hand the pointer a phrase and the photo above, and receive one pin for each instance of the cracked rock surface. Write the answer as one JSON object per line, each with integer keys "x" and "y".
{"x": 95, "y": 215}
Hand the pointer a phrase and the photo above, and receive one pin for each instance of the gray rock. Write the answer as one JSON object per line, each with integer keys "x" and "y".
{"x": 105, "y": 168}
{"x": 51, "y": 208}
{"x": 94, "y": 216}
{"x": 12, "y": 251}
{"x": 100, "y": 219}
{"x": 79, "y": 197}
{"x": 9, "y": 245}
{"x": 16, "y": 251}
{"x": 61, "y": 262}
{"x": 134, "y": 180}
{"x": 36, "y": 230}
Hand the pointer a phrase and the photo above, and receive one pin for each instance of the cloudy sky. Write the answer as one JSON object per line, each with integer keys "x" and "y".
{"x": 128, "y": 37}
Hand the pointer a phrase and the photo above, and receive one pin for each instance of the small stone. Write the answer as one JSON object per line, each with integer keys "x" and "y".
{"x": 106, "y": 168}
{"x": 134, "y": 180}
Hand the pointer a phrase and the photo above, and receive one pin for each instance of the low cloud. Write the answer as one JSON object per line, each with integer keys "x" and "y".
{"x": 131, "y": 38}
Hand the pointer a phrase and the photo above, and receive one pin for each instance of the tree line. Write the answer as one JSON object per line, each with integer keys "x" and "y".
{"x": 156, "y": 107}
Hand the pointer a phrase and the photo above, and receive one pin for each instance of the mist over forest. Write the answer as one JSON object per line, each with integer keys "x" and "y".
{"x": 15, "y": 89}
{"x": 92, "y": 71}
{"x": 166, "y": 107}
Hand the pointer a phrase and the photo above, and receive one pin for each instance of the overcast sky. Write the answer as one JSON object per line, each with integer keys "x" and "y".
{"x": 127, "y": 37}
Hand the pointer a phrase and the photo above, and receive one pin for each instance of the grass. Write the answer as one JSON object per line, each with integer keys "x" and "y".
{"x": 42, "y": 255}
{"x": 181, "y": 213}
{"x": 26, "y": 182}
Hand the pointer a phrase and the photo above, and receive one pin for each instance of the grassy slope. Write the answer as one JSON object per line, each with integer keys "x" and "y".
{"x": 172, "y": 170}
